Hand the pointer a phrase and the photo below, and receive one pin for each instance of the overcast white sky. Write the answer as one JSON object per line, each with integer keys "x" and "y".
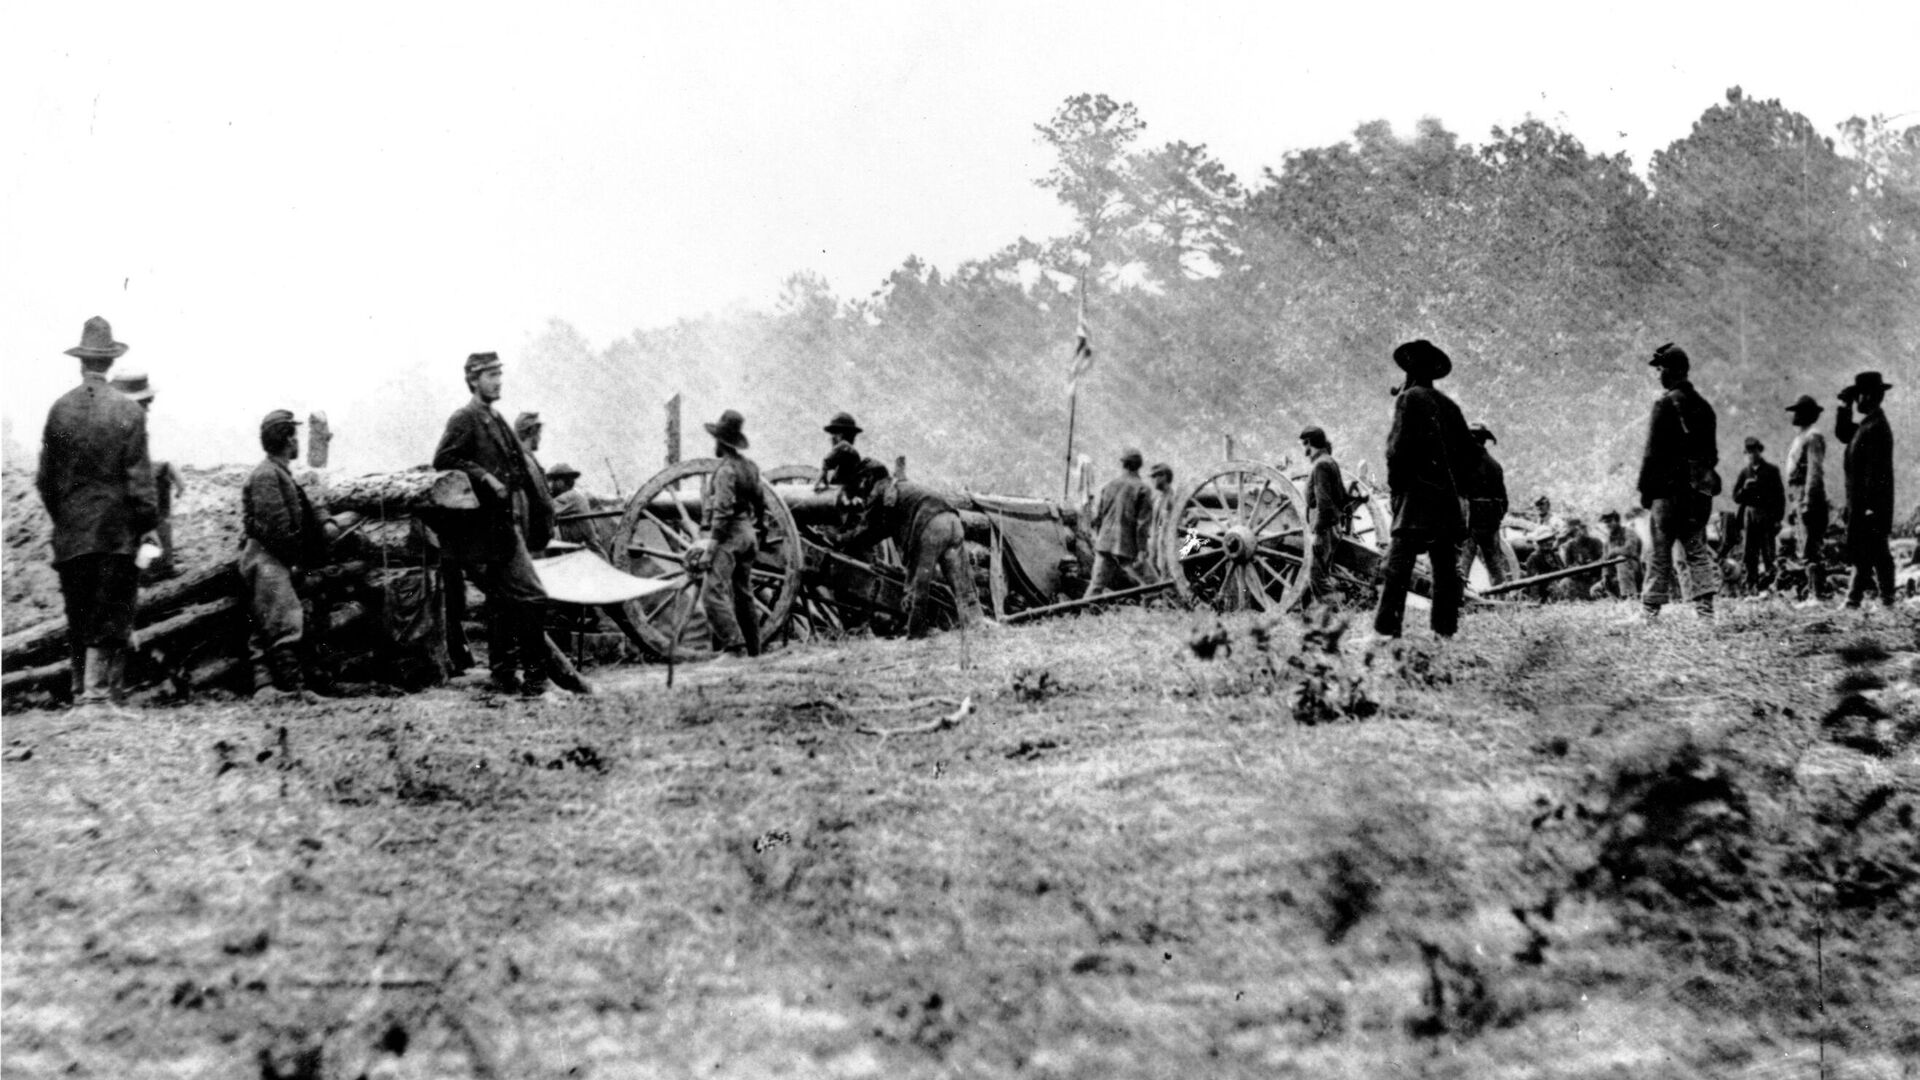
{"x": 275, "y": 204}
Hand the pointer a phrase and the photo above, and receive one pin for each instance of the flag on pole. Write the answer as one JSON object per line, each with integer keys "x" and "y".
{"x": 1082, "y": 354}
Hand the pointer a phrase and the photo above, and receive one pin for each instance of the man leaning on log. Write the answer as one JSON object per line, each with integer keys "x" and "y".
{"x": 97, "y": 483}
{"x": 490, "y": 542}
{"x": 284, "y": 536}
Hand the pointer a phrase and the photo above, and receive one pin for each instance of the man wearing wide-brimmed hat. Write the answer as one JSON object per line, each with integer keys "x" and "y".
{"x": 134, "y": 383}
{"x": 1120, "y": 522}
{"x": 1868, "y": 467}
{"x": 1762, "y": 500}
{"x": 97, "y": 484}
{"x": 732, "y": 508}
{"x": 1430, "y": 458}
{"x": 1679, "y": 478}
{"x": 842, "y": 432}
{"x": 492, "y": 541}
{"x": 285, "y": 536}
{"x": 1807, "y": 507}
{"x": 1486, "y": 510}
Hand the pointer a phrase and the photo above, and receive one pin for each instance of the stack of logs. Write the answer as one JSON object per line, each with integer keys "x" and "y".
{"x": 191, "y": 632}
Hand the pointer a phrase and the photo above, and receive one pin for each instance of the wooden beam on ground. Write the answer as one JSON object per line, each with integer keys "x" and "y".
{"x": 1555, "y": 575}
{"x": 1065, "y": 607}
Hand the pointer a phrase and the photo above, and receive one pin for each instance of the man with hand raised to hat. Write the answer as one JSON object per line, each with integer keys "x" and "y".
{"x": 1486, "y": 510}
{"x": 1807, "y": 507}
{"x": 166, "y": 479}
{"x": 1678, "y": 480}
{"x": 1121, "y": 520}
{"x": 284, "y": 536}
{"x": 1430, "y": 458}
{"x": 1762, "y": 500}
{"x": 731, "y": 510}
{"x": 492, "y": 541}
{"x": 97, "y": 483}
{"x": 1868, "y": 468}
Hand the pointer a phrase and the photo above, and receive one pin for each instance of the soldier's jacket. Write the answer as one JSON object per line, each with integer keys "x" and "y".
{"x": 1759, "y": 489}
{"x": 897, "y": 510}
{"x": 95, "y": 477}
{"x": 733, "y": 501}
{"x": 1581, "y": 550}
{"x": 1807, "y": 470}
{"x": 1488, "y": 504}
{"x": 1430, "y": 462}
{"x": 1326, "y": 495}
{"x": 1868, "y": 466}
{"x": 1123, "y": 516}
{"x": 479, "y": 442}
{"x": 1682, "y": 447}
{"x": 276, "y": 513}
{"x": 577, "y": 532}
{"x": 1622, "y": 541}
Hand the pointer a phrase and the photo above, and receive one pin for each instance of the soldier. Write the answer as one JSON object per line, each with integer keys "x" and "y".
{"x": 1161, "y": 476}
{"x": 571, "y": 503}
{"x": 1677, "y": 484}
{"x": 1623, "y": 581}
{"x": 492, "y": 542}
{"x": 97, "y": 484}
{"x": 1763, "y": 501}
{"x": 528, "y": 427}
{"x": 842, "y": 432}
{"x": 166, "y": 478}
{"x": 284, "y": 536}
{"x": 1326, "y": 515}
{"x": 1868, "y": 467}
{"x": 1807, "y": 508}
{"x": 732, "y": 507}
{"x": 1486, "y": 511}
{"x": 1429, "y": 459}
{"x": 931, "y": 540}
{"x": 1578, "y": 547}
{"x": 1120, "y": 523}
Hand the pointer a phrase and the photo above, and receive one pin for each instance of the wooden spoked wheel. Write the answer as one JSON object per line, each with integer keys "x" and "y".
{"x": 1236, "y": 539}
{"x": 663, "y": 520}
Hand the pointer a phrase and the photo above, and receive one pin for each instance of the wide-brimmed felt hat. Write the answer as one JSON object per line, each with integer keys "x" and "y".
{"x": 843, "y": 422}
{"x": 133, "y": 383}
{"x": 1870, "y": 382}
{"x": 1423, "y": 359}
{"x": 1806, "y": 404}
{"x": 1754, "y": 446}
{"x": 1543, "y": 501}
{"x": 1671, "y": 356}
{"x": 96, "y": 342}
{"x": 1482, "y": 432}
{"x": 555, "y": 472}
{"x": 277, "y": 418}
{"x": 728, "y": 430}
{"x": 482, "y": 361}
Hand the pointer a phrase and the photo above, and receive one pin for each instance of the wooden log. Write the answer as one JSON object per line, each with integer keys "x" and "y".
{"x": 47, "y": 642}
{"x": 397, "y": 494}
{"x": 196, "y": 624}
{"x": 1555, "y": 575}
{"x": 47, "y": 678}
{"x": 1065, "y": 607}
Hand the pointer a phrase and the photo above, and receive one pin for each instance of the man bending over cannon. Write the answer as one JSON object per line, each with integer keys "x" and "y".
{"x": 930, "y": 538}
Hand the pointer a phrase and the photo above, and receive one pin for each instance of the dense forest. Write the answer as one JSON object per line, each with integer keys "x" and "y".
{"x": 1781, "y": 257}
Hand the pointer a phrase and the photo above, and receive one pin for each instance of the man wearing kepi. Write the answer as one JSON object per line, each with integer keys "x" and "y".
{"x": 732, "y": 507}
{"x": 491, "y": 541}
{"x": 1678, "y": 480}
{"x": 284, "y": 536}
{"x": 1807, "y": 491}
{"x": 97, "y": 484}
{"x": 1121, "y": 521}
{"x": 930, "y": 537}
{"x": 1326, "y": 508}
{"x": 1868, "y": 467}
{"x": 1486, "y": 510}
{"x": 1430, "y": 456}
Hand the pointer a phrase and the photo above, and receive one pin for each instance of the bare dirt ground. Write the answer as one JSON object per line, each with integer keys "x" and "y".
{"x": 1554, "y": 848}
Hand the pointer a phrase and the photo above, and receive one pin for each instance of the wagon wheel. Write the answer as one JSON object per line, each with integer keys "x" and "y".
{"x": 1236, "y": 538}
{"x": 1368, "y": 524}
{"x": 663, "y": 520}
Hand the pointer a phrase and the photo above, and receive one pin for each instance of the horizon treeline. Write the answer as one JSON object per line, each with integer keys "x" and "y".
{"x": 1782, "y": 258}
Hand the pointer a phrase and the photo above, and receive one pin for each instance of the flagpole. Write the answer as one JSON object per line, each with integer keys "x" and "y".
{"x": 1073, "y": 400}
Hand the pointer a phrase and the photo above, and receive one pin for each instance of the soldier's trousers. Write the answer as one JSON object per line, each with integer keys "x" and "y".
{"x": 1320, "y": 586}
{"x": 1872, "y": 560}
{"x": 1813, "y": 544}
{"x": 729, "y": 606}
{"x": 516, "y": 604}
{"x": 941, "y": 548}
{"x": 1759, "y": 537}
{"x": 1110, "y": 572}
{"x": 99, "y": 591}
{"x": 1443, "y": 553}
{"x": 1484, "y": 543}
{"x": 1680, "y": 521}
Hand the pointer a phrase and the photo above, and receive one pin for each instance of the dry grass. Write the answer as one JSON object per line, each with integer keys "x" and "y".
{"x": 1128, "y": 861}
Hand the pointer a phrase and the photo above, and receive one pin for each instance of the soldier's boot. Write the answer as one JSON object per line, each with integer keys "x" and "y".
{"x": 96, "y": 695}
{"x": 1703, "y": 606}
{"x": 77, "y": 672}
{"x": 289, "y": 685}
{"x": 117, "y": 675}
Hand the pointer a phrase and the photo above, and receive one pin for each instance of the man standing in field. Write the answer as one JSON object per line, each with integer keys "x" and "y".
{"x": 285, "y": 535}
{"x": 166, "y": 478}
{"x": 732, "y": 508}
{"x": 492, "y": 541}
{"x": 1162, "y": 477}
{"x": 1868, "y": 467}
{"x": 1807, "y": 508}
{"x": 1430, "y": 455}
{"x": 1486, "y": 511}
{"x": 1326, "y": 513}
{"x": 1763, "y": 501}
{"x": 97, "y": 484}
{"x": 931, "y": 540}
{"x": 1623, "y": 580}
{"x": 1678, "y": 480}
{"x": 1120, "y": 523}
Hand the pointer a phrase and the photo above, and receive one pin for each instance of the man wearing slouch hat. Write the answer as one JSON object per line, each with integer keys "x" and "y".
{"x": 1430, "y": 458}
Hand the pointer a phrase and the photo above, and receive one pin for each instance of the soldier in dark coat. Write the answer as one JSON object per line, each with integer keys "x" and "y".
{"x": 97, "y": 483}
{"x": 931, "y": 539}
{"x": 284, "y": 536}
{"x": 1678, "y": 480}
{"x": 1430, "y": 455}
{"x": 1326, "y": 516}
{"x": 733, "y": 507}
{"x": 491, "y": 542}
{"x": 842, "y": 431}
{"x": 1121, "y": 522}
{"x": 1868, "y": 467}
{"x": 1762, "y": 499}
{"x": 1807, "y": 506}
{"x": 166, "y": 478}
{"x": 1486, "y": 511}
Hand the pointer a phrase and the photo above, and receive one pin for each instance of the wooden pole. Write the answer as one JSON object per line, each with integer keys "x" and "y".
{"x": 673, "y": 430}
{"x": 1555, "y": 575}
{"x": 1066, "y": 606}
{"x": 1073, "y": 400}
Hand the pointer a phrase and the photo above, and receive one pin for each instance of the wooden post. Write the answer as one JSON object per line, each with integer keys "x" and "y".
{"x": 319, "y": 437}
{"x": 673, "y": 430}
{"x": 1073, "y": 402}
{"x": 1227, "y": 441}
{"x": 900, "y": 467}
